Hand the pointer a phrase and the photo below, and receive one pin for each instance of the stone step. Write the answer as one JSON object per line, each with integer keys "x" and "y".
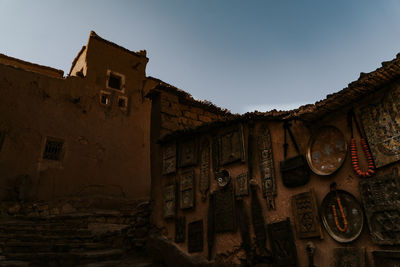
{"x": 47, "y": 232}
{"x": 74, "y": 245}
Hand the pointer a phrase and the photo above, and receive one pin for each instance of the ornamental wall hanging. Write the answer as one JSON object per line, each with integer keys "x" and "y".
{"x": 169, "y": 158}
{"x": 187, "y": 193}
{"x": 342, "y": 215}
{"x": 169, "y": 201}
{"x": 381, "y": 200}
{"x": 187, "y": 153}
{"x": 266, "y": 166}
{"x": 225, "y": 213}
{"x": 231, "y": 146}
{"x": 353, "y": 147}
{"x": 305, "y": 211}
{"x": 326, "y": 150}
{"x": 195, "y": 236}
{"x": 282, "y": 244}
{"x": 349, "y": 256}
{"x": 381, "y": 121}
{"x": 204, "y": 180}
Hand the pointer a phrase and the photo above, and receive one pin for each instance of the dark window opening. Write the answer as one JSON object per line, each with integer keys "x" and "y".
{"x": 105, "y": 99}
{"x": 114, "y": 81}
{"x": 121, "y": 103}
{"x": 53, "y": 150}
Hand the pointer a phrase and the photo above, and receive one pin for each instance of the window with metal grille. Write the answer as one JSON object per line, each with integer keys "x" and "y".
{"x": 53, "y": 149}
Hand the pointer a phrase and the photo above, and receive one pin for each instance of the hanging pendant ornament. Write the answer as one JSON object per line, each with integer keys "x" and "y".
{"x": 353, "y": 149}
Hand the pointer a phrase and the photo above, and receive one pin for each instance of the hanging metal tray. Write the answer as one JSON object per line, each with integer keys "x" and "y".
{"x": 326, "y": 150}
{"x": 352, "y": 210}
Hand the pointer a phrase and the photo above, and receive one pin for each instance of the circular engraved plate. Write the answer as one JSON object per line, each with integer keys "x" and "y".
{"x": 326, "y": 150}
{"x": 352, "y": 211}
{"x": 223, "y": 178}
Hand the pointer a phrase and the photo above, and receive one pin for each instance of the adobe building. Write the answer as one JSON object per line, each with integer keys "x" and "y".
{"x": 148, "y": 163}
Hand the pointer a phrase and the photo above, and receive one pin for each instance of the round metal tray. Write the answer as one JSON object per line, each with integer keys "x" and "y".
{"x": 326, "y": 150}
{"x": 352, "y": 210}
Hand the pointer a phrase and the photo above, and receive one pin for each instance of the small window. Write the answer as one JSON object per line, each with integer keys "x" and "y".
{"x": 115, "y": 81}
{"x": 123, "y": 102}
{"x": 53, "y": 150}
{"x": 105, "y": 98}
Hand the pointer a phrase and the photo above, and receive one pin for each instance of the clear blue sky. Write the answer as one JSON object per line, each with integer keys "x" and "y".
{"x": 241, "y": 55}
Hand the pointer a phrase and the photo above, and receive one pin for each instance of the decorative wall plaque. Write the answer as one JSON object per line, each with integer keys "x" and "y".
{"x": 231, "y": 146}
{"x": 305, "y": 212}
{"x": 342, "y": 216}
{"x": 267, "y": 166}
{"x": 386, "y": 258}
{"x": 204, "y": 181}
{"x": 180, "y": 229}
{"x": 215, "y": 154}
{"x": 195, "y": 236}
{"x": 282, "y": 243}
{"x": 381, "y": 200}
{"x": 257, "y": 217}
{"x": 381, "y": 120}
{"x": 349, "y": 257}
{"x": 223, "y": 178}
{"x": 242, "y": 185}
{"x": 187, "y": 153}
{"x": 225, "y": 215}
{"x": 169, "y": 158}
{"x": 187, "y": 193}
{"x": 169, "y": 201}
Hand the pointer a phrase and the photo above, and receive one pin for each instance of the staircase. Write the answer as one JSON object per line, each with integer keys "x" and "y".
{"x": 79, "y": 239}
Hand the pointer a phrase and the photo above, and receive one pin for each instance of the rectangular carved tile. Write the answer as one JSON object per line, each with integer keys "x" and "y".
{"x": 381, "y": 121}
{"x": 169, "y": 158}
{"x": 225, "y": 215}
{"x": 180, "y": 229}
{"x": 282, "y": 244}
{"x": 266, "y": 166}
{"x": 386, "y": 258}
{"x": 381, "y": 199}
{"x": 242, "y": 185}
{"x": 187, "y": 193}
{"x": 305, "y": 212}
{"x": 349, "y": 257}
{"x": 187, "y": 153}
{"x": 169, "y": 201}
{"x": 231, "y": 146}
{"x": 195, "y": 236}
{"x": 204, "y": 180}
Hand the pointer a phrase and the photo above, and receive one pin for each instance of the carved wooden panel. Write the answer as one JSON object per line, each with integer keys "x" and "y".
{"x": 169, "y": 158}
{"x": 282, "y": 243}
{"x": 349, "y": 257}
{"x": 257, "y": 218}
{"x": 231, "y": 146}
{"x": 386, "y": 258}
{"x": 180, "y": 229}
{"x": 266, "y": 166}
{"x": 381, "y": 121}
{"x": 169, "y": 200}
{"x": 242, "y": 185}
{"x": 195, "y": 236}
{"x": 305, "y": 212}
{"x": 381, "y": 200}
{"x": 225, "y": 215}
{"x": 187, "y": 153}
{"x": 204, "y": 181}
{"x": 187, "y": 193}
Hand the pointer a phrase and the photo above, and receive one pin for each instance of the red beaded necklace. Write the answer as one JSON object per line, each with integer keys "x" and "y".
{"x": 353, "y": 149}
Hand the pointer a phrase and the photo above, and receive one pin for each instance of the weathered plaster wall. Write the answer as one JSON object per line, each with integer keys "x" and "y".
{"x": 104, "y": 146}
{"x": 345, "y": 178}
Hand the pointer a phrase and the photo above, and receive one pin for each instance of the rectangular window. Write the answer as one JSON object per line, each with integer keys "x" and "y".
{"x": 115, "y": 81}
{"x": 53, "y": 150}
{"x": 123, "y": 103}
{"x": 105, "y": 98}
